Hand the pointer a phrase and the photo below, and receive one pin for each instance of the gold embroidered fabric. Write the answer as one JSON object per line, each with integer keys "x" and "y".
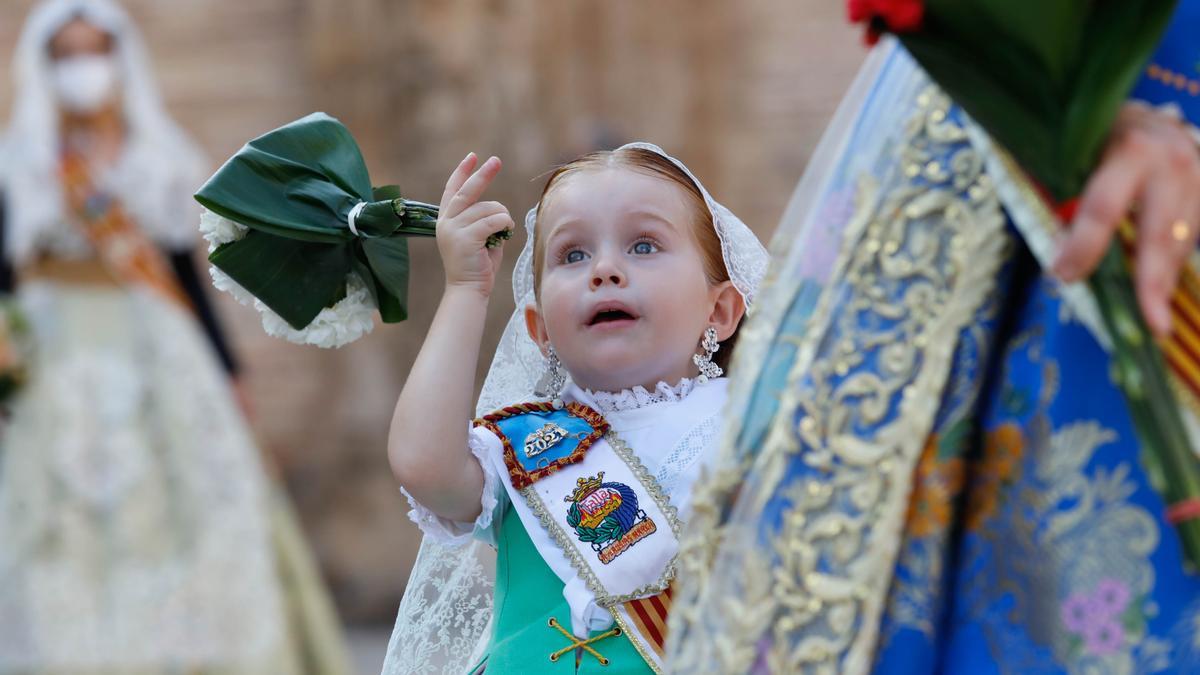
{"x": 787, "y": 560}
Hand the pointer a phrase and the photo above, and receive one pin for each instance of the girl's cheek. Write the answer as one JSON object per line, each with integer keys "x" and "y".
{"x": 556, "y": 306}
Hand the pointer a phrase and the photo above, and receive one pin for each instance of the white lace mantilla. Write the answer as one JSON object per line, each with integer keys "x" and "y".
{"x": 640, "y": 397}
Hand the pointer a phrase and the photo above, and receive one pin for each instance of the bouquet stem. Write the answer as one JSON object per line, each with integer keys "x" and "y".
{"x": 420, "y": 220}
{"x": 1141, "y": 372}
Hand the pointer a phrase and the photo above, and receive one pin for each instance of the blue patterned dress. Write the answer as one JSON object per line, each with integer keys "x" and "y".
{"x": 934, "y": 471}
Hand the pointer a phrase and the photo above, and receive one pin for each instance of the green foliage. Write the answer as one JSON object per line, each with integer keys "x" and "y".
{"x": 608, "y": 529}
{"x": 294, "y": 187}
{"x": 1046, "y": 79}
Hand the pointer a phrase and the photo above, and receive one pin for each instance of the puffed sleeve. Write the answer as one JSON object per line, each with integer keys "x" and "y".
{"x": 483, "y": 445}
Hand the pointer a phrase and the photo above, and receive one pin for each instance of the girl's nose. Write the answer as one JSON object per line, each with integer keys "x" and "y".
{"x": 605, "y": 272}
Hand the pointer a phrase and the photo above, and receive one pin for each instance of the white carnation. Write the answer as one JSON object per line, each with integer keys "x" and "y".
{"x": 349, "y": 319}
{"x": 218, "y": 230}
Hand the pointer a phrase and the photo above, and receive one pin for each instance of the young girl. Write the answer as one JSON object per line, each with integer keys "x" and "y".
{"x": 631, "y": 279}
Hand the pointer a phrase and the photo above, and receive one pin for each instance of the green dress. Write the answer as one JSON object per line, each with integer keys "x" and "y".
{"x": 528, "y": 595}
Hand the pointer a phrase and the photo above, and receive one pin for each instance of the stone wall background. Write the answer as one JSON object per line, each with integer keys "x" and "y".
{"x": 739, "y": 90}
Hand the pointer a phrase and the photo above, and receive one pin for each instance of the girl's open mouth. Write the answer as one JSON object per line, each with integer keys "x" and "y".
{"x": 611, "y": 314}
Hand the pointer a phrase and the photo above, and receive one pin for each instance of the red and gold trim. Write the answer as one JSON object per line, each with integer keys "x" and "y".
{"x": 649, "y": 617}
{"x": 521, "y": 478}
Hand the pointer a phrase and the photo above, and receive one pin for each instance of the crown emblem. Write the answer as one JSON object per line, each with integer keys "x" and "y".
{"x": 585, "y": 487}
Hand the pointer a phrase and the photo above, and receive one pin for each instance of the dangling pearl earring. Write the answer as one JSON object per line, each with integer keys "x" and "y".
{"x": 552, "y": 382}
{"x": 708, "y": 369}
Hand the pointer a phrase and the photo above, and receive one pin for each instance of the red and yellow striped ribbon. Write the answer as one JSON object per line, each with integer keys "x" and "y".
{"x": 1182, "y": 348}
{"x": 649, "y": 616}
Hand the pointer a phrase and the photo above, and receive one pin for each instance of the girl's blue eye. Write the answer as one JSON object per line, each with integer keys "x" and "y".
{"x": 574, "y": 256}
{"x": 644, "y": 248}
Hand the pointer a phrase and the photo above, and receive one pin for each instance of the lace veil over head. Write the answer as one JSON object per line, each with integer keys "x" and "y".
{"x": 160, "y": 167}
{"x": 442, "y": 626}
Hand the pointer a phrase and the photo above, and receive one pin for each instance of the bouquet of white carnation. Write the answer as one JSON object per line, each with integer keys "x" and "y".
{"x": 295, "y": 229}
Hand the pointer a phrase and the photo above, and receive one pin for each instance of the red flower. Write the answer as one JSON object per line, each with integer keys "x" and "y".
{"x": 895, "y": 16}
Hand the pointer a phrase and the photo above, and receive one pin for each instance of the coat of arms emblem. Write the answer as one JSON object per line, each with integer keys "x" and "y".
{"x": 606, "y": 515}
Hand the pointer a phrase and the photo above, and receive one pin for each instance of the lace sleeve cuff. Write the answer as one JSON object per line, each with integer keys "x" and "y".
{"x": 480, "y": 442}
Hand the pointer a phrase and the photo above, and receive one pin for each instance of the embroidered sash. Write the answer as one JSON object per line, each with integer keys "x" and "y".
{"x": 126, "y": 252}
{"x": 601, "y": 508}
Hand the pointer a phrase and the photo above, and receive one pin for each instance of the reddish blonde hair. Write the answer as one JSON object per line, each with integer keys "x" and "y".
{"x": 653, "y": 164}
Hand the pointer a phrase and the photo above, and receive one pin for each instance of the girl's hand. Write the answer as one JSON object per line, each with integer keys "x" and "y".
{"x": 464, "y": 225}
{"x": 1151, "y": 167}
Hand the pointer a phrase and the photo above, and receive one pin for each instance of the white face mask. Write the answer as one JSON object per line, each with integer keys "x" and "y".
{"x": 85, "y": 84}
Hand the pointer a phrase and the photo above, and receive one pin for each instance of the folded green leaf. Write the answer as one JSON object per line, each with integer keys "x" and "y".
{"x": 299, "y": 181}
{"x": 390, "y": 258}
{"x": 292, "y": 277}
{"x": 1045, "y": 79}
{"x": 296, "y": 188}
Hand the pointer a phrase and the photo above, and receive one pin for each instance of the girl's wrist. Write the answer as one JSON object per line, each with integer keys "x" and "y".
{"x": 466, "y": 292}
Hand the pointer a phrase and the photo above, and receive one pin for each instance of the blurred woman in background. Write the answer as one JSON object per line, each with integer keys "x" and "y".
{"x": 139, "y": 530}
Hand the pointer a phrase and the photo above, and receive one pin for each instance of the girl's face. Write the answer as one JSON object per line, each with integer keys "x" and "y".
{"x": 624, "y": 298}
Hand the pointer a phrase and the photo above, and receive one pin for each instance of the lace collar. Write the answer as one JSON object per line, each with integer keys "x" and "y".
{"x": 640, "y": 397}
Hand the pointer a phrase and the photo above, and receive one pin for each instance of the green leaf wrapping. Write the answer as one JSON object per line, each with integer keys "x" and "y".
{"x": 389, "y": 259}
{"x": 299, "y": 181}
{"x": 1045, "y": 79}
{"x": 294, "y": 188}
{"x": 293, "y": 278}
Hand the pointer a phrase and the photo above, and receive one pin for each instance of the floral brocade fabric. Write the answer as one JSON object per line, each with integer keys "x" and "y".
{"x": 1034, "y": 541}
{"x": 932, "y": 471}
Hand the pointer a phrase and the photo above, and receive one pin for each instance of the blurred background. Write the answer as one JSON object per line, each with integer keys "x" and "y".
{"x": 740, "y": 91}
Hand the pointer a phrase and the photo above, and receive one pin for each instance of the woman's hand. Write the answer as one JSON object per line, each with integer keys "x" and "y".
{"x": 465, "y": 223}
{"x": 1151, "y": 168}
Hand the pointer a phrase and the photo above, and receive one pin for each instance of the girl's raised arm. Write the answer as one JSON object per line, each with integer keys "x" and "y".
{"x": 427, "y": 443}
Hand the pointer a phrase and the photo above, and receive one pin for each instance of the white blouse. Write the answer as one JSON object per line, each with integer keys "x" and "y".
{"x": 673, "y": 430}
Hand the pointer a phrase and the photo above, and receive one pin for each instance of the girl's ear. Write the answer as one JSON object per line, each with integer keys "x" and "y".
{"x": 536, "y": 327}
{"x": 728, "y": 309}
